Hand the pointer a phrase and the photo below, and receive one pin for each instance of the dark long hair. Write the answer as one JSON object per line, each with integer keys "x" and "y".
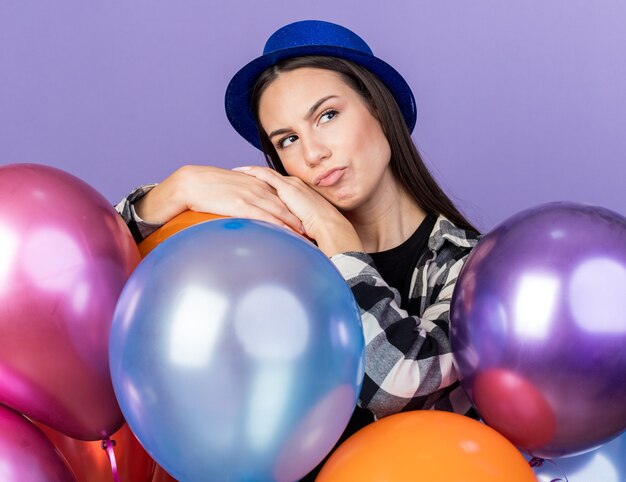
{"x": 406, "y": 163}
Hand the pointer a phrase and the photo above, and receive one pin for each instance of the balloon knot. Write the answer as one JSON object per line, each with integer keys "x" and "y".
{"x": 106, "y": 443}
{"x": 536, "y": 462}
{"x": 107, "y": 446}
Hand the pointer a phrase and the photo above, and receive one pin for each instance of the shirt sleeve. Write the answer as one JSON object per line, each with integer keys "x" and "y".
{"x": 408, "y": 359}
{"x": 139, "y": 228}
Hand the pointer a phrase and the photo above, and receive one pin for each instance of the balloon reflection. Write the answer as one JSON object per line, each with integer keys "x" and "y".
{"x": 8, "y": 249}
{"x": 596, "y": 296}
{"x": 56, "y": 268}
{"x": 197, "y": 321}
{"x": 535, "y": 304}
{"x": 262, "y": 329}
{"x": 309, "y": 440}
{"x": 80, "y": 298}
{"x": 270, "y": 392}
{"x": 514, "y": 407}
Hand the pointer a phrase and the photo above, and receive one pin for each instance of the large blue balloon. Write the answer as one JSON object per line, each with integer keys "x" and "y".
{"x": 237, "y": 353}
{"x": 538, "y": 328}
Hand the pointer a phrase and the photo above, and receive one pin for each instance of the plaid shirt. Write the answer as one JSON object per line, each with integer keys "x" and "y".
{"x": 408, "y": 360}
{"x": 138, "y": 227}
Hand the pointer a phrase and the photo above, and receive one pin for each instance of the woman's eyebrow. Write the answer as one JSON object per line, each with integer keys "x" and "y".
{"x": 308, "y": 115}
{"x": 315, "y": 106}
{"x": 278, "y": 132}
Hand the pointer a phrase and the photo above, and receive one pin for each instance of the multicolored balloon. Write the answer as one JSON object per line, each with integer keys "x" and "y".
{"x": 538, "y": 328}
{"x": 237, "y": 353}
{"x": 65, "y": 255}
{"x": 26, "y": 454}
{"x": 426, "y": 445}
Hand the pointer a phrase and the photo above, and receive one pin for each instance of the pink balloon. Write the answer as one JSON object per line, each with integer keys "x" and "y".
{"x": 65, "y": 255}
{"x": 26, "y": 454}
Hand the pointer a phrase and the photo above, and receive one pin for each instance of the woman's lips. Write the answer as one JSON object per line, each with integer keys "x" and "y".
{"x": 329, "y": 177}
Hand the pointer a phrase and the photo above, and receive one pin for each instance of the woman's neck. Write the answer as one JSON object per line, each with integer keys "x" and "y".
{"x": 388, "y": 221}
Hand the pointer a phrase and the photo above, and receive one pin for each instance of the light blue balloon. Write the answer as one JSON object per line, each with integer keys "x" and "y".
{"x": 605, "y": 464}
{"x": 237, "y": 353}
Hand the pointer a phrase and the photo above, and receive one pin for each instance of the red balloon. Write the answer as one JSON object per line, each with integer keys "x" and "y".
{"x": 90, "y": 462}
{"x": 26, "y": 454}
{"x": 65, "y": 256}
{"x": 160, "y": 475}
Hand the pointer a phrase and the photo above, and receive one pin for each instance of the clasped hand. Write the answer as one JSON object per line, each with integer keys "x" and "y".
{"x": 320, "y": 220}
{"x": 251, "y": 192}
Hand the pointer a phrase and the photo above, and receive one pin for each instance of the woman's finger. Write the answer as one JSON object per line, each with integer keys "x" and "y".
{"x": 279, "y": 211}
{"x": 265, "y": 174}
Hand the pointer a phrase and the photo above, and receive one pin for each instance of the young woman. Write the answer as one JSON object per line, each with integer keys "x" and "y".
{"x": 334, "y": 123}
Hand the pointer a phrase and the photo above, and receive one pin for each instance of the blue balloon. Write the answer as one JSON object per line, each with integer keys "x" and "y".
{"x": 237, "y": 353}
{"x": 605, "y": 464}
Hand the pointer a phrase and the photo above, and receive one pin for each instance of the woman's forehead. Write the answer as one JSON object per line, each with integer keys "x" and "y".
{"x": 301, "y": 87}
{"x": 309, "y": 77}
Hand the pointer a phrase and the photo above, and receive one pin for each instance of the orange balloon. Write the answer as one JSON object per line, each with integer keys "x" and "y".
{"x": 160, "y": 475}
{"x": 426, "y": 445}
{"x": 177, "y": 223}
{"x": 90, "y": 462}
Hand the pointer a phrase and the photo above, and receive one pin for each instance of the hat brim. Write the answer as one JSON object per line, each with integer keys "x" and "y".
{"x": 238, "y": 98}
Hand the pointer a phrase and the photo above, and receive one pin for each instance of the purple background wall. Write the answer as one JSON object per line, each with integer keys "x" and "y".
{"x": 519, "y": 102}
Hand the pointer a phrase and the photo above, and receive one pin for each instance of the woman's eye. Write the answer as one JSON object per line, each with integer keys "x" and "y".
{"x": 328, "y": 115}
{"x": 286, "y": 141}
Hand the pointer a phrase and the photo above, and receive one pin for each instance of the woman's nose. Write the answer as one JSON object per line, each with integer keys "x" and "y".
{"x": 314, "y": 151}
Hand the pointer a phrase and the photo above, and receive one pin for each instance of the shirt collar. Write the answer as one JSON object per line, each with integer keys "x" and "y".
{"x": 445, "y": 230}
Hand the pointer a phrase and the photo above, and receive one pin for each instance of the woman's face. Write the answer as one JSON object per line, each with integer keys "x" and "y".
{"x": 325, "y": 134}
